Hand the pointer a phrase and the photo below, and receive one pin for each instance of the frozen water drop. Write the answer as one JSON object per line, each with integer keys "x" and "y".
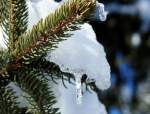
{"x": 101, "y": 11}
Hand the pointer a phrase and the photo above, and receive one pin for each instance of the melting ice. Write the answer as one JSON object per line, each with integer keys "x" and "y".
{"x": 101, "y": 14}
{"x": 78, "y": 88}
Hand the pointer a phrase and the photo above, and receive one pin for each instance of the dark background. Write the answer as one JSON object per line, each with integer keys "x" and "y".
{"x": 126, "y": 38}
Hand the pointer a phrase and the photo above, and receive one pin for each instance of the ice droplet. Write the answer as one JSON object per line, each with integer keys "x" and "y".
{"x": 78, "y": 88}
{"x": 101, "y": 11}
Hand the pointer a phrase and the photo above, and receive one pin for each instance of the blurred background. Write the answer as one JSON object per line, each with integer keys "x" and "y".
{"x": 126, "y": 38}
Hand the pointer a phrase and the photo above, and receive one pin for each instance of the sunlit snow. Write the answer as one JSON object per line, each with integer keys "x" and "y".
{"x": 81, "y": 53}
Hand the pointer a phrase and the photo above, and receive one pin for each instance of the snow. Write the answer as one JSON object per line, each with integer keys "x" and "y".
{"x": 40, "y": 9}
{"x": 81, "y": 53}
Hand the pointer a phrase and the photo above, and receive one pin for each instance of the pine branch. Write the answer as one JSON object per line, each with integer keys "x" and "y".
{"x": 8, "y": 104}
{"x": 52, "y": 70}
{"x": 14, "y": 20}
{"x": 49, "y": 32}
{"x": 4, "y": 76}
{"x": 40, "y": 93}
{"x": 4, "y": 59}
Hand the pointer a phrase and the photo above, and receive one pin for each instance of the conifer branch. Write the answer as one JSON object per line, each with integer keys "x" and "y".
{"x": 49, "y": 32}
{"x": 52, "y": 69}
{"x": 8, "y": 104}
{"x": 14, "y": 17}
{"x": 3, "y": 63}
{"x": 38, "y": 90}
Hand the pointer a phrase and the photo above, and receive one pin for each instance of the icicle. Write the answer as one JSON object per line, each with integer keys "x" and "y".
{"x": 102, "y": 14}
{"x": 78, "y": 89}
